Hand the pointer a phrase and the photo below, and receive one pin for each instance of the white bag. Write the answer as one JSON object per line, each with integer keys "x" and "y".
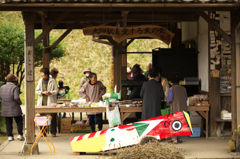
{"x": 113, "y": 116}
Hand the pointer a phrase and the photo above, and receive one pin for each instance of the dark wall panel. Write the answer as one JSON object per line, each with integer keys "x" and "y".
{"x": 183, "y": 61}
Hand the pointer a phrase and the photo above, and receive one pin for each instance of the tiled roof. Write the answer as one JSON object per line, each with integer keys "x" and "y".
{"x": 121, "y": 1}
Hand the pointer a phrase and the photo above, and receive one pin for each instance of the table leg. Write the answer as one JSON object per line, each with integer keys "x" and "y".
{"x": 81, "y": 116}
{"x": 202, "y": 125}
{"x": 122, "y": 118}
{"x": 206, "y": 124}
{"x": 72, "y": 116}
{"x": 59, "y": 122}
{"x": 105, "y": 115}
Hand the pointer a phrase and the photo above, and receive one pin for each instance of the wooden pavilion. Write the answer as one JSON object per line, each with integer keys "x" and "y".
{"x": 70, "y": 15}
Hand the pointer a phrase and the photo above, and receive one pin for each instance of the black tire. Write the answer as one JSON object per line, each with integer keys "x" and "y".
{"x": 146, "y": 139}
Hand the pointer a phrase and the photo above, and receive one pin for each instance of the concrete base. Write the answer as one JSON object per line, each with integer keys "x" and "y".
{"x": 28, "y": 147}
{"x": 231, "y": 145}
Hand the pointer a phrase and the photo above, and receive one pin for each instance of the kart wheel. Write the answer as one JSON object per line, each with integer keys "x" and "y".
{"x": 146, "y": 139}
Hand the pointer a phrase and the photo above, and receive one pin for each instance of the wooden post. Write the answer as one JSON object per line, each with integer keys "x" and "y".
{"x": 116, "y": 68}
{"x": 30, "y": 81}
{"x": 45, "y": 52}
{"x": 112, "y": 70}
{"x": 235, "y": 28}
{"x": 215, "y": 108}
{"x": 124, "y": 60}
{"x": 233, "y": 75}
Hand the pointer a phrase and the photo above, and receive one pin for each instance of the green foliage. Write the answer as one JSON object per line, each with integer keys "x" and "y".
{"x": 238, "y": 130}
{"x": 12, "y": 45}
{"x": 1, "y": 117}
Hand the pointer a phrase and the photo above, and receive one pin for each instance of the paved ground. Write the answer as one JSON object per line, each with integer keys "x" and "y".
{"x": 193, "y": 147}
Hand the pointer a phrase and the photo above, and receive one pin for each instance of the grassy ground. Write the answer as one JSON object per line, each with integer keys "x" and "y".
{"x": 82, "y": 52}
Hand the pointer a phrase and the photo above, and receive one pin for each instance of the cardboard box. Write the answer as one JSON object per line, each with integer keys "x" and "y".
{"x": 66, "y": 125}
{"x": 81, "y": 128}
{"x": 192, "y": 101}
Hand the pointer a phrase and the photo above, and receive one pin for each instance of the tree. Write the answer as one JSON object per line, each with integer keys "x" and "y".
{"x": 12, "y": 49}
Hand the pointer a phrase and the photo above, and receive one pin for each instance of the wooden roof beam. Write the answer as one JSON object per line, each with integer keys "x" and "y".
{"x": 131, "y": 18}
{"x": 215, "y": 26}
{"x": 50, "y": 27}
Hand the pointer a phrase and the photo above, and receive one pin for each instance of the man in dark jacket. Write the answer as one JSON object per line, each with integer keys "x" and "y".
{"x": 9, "y": 94}
{"x": 152, "y": 93}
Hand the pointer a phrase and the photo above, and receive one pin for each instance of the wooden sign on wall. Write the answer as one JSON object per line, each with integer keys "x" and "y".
{"x": 29, "y": 64}
{"x": 121, "y": 33}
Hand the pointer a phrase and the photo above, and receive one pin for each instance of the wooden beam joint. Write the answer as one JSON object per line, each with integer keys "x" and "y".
{"x": 63, "y": 36}
{"x": 129, "y": 43}
{"x": 50, "y": 27}
{"x": 113, "y": 42}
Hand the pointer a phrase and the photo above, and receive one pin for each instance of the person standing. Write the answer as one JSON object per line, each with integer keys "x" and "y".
{"x": 135, "y": 91}
{"x": 86, "y": 77}
{"x": 47, "y": 91}
{"x": 137, "y": 76}
{"x": 9, "y": 95}
{"x": 62, "y": 94}
{"x": 152, "y": 94}
{"x": 92, "y": 91}
{"x": 177, "y": 97}
{"x": 63, "y": 90}
{"x": 53, "y": 73}
{"x": 164, "y": 82}
{"x": 149, "y": 67}
{"x": 129, "y": 73}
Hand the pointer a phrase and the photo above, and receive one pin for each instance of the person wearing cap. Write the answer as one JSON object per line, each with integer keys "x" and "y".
{"x": 149, "y": 67}
{"x": 92, "y": 91}
{"x": 86, "y": 78}
{"x": 9, "y": 95}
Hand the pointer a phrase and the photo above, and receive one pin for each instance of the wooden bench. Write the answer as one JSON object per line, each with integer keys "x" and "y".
{"x": 220, "y": 126}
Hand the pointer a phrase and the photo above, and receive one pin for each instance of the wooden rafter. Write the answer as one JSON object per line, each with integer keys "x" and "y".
{"x": 63, "y": 36}
{"x": 50, "y": 27}
{"x": 215, "y": 26}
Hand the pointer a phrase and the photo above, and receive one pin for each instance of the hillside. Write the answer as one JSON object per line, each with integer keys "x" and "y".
{"x": 82, "y": 53}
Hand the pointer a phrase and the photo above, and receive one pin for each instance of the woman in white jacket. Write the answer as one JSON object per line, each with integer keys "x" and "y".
{"x": 47, "y": 91}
